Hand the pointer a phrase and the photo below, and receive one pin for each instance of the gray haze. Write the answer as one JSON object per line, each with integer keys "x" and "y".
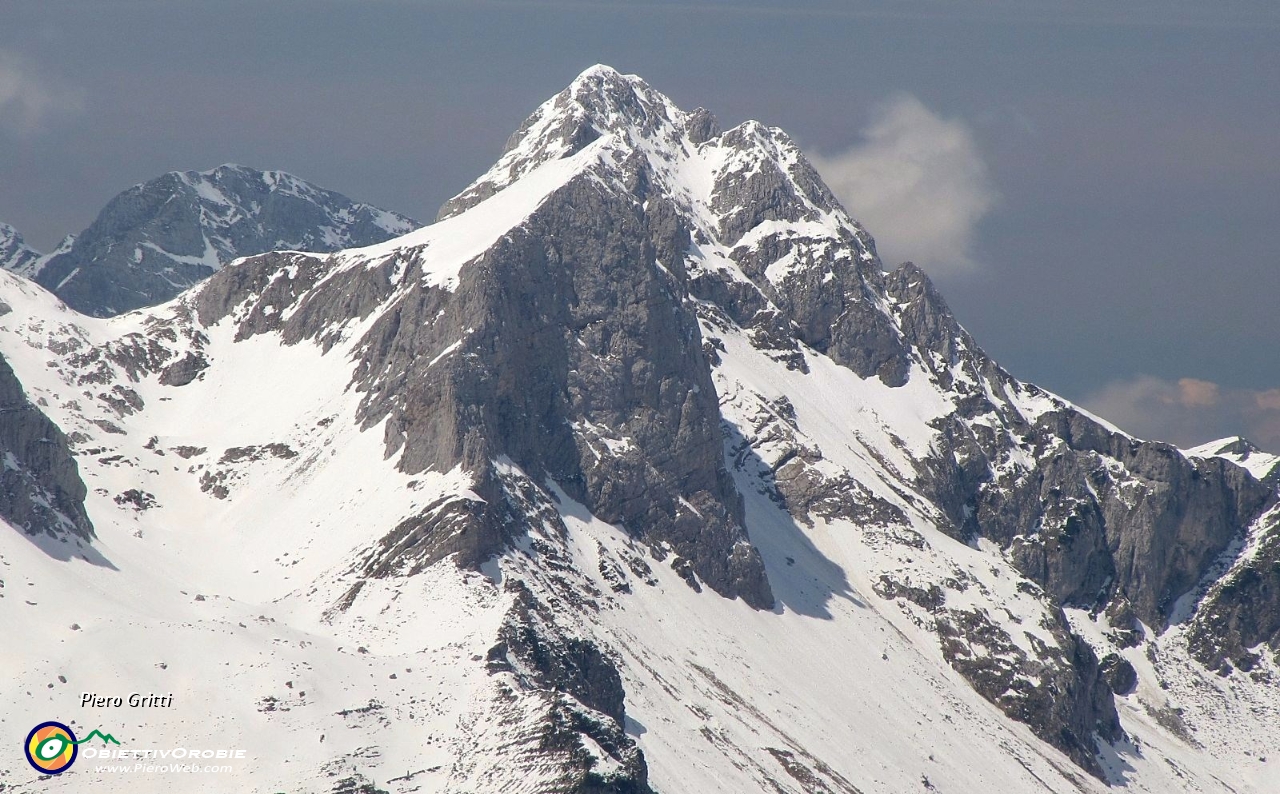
{"x": 1094, "y": 189}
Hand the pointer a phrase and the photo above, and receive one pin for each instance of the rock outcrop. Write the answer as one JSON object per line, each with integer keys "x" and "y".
{"x": 41, "y": 492}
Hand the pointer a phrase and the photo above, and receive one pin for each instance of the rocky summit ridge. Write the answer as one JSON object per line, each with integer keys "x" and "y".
{"x": 640, "y": 455}
{"x": 15, "y": 254}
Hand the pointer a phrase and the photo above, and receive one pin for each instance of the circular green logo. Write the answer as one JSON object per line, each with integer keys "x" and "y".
{"x": 51, "y": 748}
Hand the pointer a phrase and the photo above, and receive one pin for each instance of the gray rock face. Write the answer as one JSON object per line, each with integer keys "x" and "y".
{"x": 1189, "y": 514}
{"x": 159, "y": 238}
{"x": 15, "y": 254}
{"x": 1099, "y": 519}
{"x": 593, "y": 377}
{"x": 1120, "y": 675}
{"x": 1100, "y": 515}
{"x": 41, "y": 492}
{"x": 586, "y": 699}
{"x": 1070, "y": 704}
{"x": 1239, "y": 620}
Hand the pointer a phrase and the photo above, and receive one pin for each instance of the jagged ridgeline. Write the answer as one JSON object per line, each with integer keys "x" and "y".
{"x": 158, "y": 238}
{"x": 735, "y": 508}
{"x": 15, "y": 254}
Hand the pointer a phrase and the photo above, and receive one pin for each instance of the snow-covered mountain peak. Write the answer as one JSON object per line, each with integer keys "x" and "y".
{"x": 762, "y": 234}
{"x": 9, "y": 237}
{"x": 722, "y": 178}
{"x": 1243, "y": 452}
{"x": 162, "y": 236}
{"x": 15, "y": 254}
{"x": 613, "y": 100}
{"x": 644, "y": 468}
{"x": 599, "y": 102}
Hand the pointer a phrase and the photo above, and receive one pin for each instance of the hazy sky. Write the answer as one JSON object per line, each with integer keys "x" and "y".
{"x": 1095, "y": 186}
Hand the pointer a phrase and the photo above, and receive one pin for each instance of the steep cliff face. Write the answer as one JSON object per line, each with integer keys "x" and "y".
{"x": 156, "y": 239}
{"x": 593, "y": 377}
{"x": 1135, "y": 534}
{"x": 1237, "y": 623}
{"x": 1088, "y": 512}
{"x": 41, "y": 492}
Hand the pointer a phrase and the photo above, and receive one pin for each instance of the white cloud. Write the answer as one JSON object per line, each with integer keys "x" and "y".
{"x": 1189, "y": 411}
{"x": 28, "y": 100}
{"x": 918, "y": 183}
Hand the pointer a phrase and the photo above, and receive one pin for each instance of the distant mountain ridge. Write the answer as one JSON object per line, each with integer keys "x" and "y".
{"x": 1242, "y": 452}
{"x": 160, "y": 237}
{"x": 15, "y": 254}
